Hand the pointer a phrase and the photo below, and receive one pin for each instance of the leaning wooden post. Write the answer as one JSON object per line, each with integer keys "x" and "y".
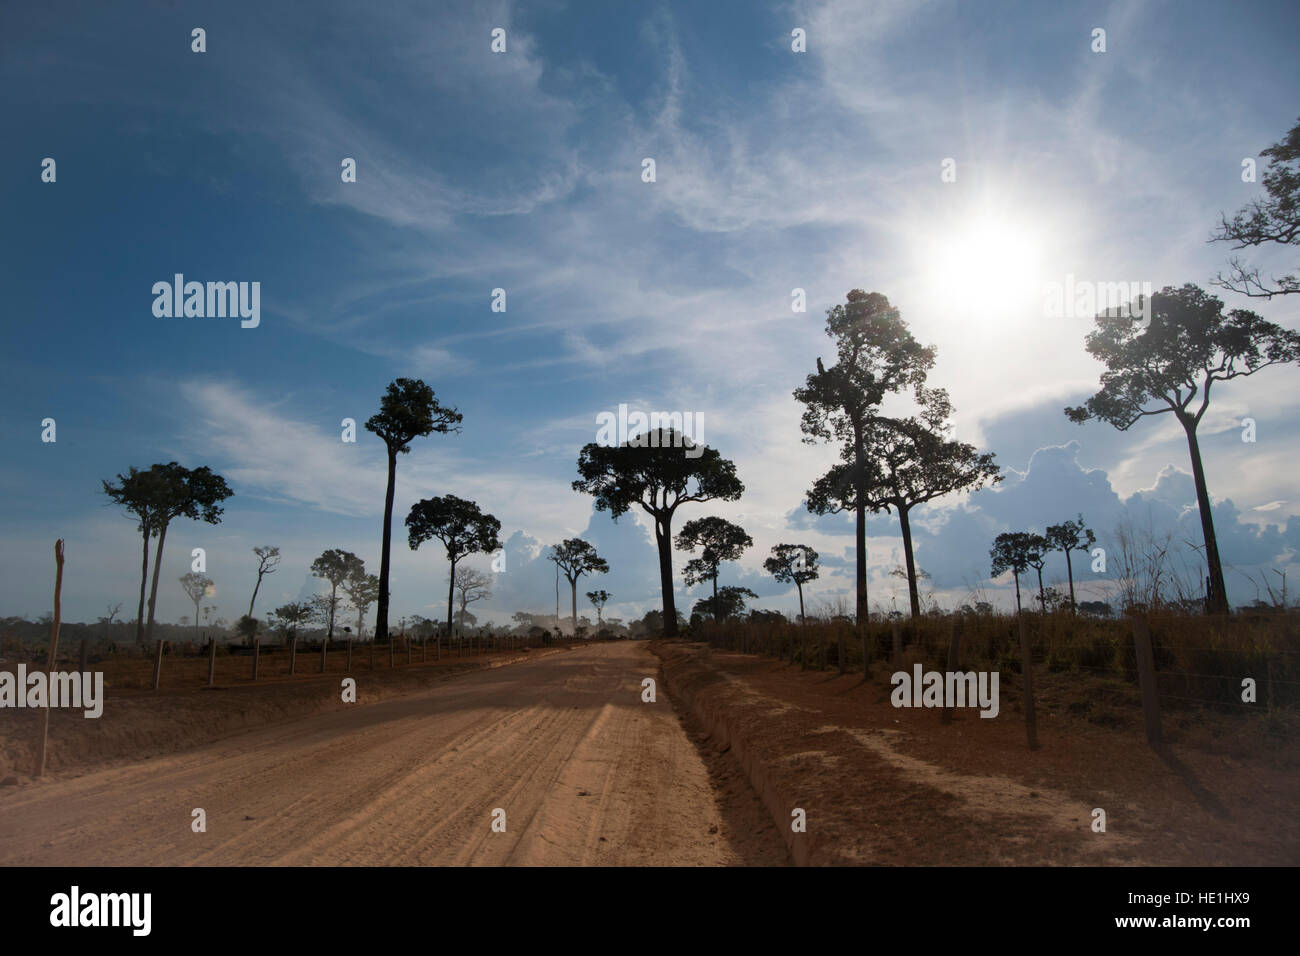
{"x": 1146, "y": 663}
{"x": 1027, "y": 670}
{"x": 157, "y": 665}
{"x": 54, "y": 650}
{"x": 257, "y": 653}
{"x": 212, "y": 660}
{"x": 293, "y": 654}
{"x": 953, "y": 649}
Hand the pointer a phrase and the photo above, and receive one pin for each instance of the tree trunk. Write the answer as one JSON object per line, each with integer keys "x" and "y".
{"x": 1217, "y": 599}
{"x": 1042, "y": 598}
{"x": 573, "y": 585}
{"x": 1016, "y": 575}
{"x": 802, "y": 620}
{"x": 451, "y": 590}
{"x": 381, "y": 612}
{"x": 153, "y": 589}
{"x": 860, "y": 494}
{"x": 905, "y": 523}
{"x": 716, "y": 609}
{"x": 663, "y": 537}
{"x": 144, "y": 580}
{"x": 253, "y": 599}
{"x": 1069, "y": 570}
{"x": 334, "y": 603}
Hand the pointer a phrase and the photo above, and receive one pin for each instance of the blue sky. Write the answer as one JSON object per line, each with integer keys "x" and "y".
{"x": 522, "y": 171}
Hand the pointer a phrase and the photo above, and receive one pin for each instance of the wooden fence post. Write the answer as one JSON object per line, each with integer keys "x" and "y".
{"x": 424, "y": 650}
{"x": 324, "y": 647}
{"x": 85, "y": 654}
{"x": 866, "y": 655}
{"x": 54, "y": 650}
{"x": 157, "y": 665}
{"x": 1027, "y": 669}
{"x": 1146, "y": 665}
{"x": 407, "y": 642}
{"x": 391, "y": 640}
{"x": 898, "y": 642}
{"x": 349, "y": 667}
{"x": 212, "y": 660}
{"x": 953, "y": 650}
{"x": 257, "y": 653}
{"x": 293, "y": 654}
{"x": 372, "y": 652}
{"x": 803, "y": 649}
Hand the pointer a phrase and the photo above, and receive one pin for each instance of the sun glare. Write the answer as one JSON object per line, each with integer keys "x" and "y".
{"x": 984, "y": 267}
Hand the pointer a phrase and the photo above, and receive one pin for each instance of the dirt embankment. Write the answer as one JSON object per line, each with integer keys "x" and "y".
{"x": 894, "y": 786}
{"x": 140, "y": 724}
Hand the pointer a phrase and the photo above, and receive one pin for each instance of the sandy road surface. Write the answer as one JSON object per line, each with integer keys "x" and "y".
{"x": 586, "y": 773}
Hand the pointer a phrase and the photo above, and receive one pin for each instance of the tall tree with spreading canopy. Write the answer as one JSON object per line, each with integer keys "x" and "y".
{"x": 1011, "y": 551}
{"x": 1170, "y": 367}
{"x": 408, "y": 410}
{"x": 336, "y": 567}
{"x": 659, "y": 476}
{"x": 137, "y": 492}
{"x": 1070, "y": 536}
{"x": 719, "y": 539}
{"x": 1274, "y": 219}
{"x": 163, "y": 494}
{"x": 793, "y": 564}
{"x": 461, "y": 527}
{"x": 268, "y": 560}
{"x": 576, "y": 557}
{"x": 876, "y": 355}
{"x": 912, "y": 461}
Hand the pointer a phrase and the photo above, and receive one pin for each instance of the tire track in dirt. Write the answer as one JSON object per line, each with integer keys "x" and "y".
{"x": 586, "y": 772}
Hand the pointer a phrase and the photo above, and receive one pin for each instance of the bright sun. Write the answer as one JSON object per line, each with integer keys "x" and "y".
{"x": 984, "y": 267}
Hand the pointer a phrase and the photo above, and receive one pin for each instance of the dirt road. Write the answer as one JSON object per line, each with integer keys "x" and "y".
{"x": 585, "y": 771}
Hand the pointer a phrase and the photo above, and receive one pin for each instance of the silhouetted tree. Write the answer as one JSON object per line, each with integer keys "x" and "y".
{"x": 793, "y": 564}
{"x": 460, "y": 526}
{"x": 159, "y": 496}
{"x": 575, "y": 558}
{"x": 1011, "y": 552}
{"x": 196, "y": 589}
{"x": 362, "y": 590}
{"x": 1274, "y": 219}
{"x": 598, "y": 600}
{"x": 1188, "y": 346}
{"x": 1071, "y": 536}
{"x": 1036, "y": 552}
{"x": 291, "y": 616}
{"x": 137, "y": 492}
{"x": 876, "y": 356}
{"x": 720, "y": 541}
{"x": 473, "y": 586}
{"x": 268, "y": 559}
{"x": 659, "y": 477}
{"x": 729, "y": 601}
{"x": 911, "y": 461}
{"x": 407, "y": 411}
{"x": 336, "y": 567}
